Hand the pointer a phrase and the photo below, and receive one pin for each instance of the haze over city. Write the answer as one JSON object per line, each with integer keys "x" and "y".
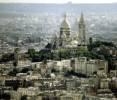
{"x": 58, "y": 1}
{"x": 58, "y": 50}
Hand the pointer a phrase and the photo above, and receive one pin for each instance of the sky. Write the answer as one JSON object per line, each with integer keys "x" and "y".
{"x": 58, "y": 1}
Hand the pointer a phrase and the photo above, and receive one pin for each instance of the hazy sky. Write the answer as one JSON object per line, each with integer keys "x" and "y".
{"x": 60, "y": 1}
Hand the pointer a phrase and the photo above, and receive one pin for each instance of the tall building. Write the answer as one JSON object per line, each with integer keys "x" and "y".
{"x": 82, "y": 33}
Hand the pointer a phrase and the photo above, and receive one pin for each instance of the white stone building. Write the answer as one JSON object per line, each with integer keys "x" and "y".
{"x": 88, "y": 67}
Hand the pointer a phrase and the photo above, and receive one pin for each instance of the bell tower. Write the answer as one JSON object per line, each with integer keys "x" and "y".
{"x": 82, "y": 33}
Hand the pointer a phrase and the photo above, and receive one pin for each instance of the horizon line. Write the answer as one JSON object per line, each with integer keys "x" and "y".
{"x": 54, "y": 3}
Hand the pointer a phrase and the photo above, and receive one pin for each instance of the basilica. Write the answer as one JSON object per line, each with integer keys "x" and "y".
{"x": 65, "y": 33}
{"x": 66, "y": 40}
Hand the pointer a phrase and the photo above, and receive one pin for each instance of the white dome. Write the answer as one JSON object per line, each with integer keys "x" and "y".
{"x": 74, "y": 42}
{"x": 65, "y": 23}
{"x": 53, "y": 75}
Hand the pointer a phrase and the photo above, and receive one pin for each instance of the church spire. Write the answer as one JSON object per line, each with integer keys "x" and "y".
{"x": 82, "y": 35}
{"x": 65, "y": 16}
{"x": 81, "y": 18}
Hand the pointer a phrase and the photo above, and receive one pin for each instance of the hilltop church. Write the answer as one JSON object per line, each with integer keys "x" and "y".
{"x": 65, "y": 40}
{"x": 65, "y": 33}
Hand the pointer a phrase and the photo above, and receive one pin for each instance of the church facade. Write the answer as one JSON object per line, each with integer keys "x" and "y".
{"x": 65, "y": 39}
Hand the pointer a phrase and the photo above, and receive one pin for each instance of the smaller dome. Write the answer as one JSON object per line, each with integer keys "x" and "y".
{"x": 74, "y": 42}
{"x": 53, "y": 75}
{"x": 65, "y": 23}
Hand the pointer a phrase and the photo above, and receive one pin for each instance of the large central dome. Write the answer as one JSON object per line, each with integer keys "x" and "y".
{"x": 65, "y": 23}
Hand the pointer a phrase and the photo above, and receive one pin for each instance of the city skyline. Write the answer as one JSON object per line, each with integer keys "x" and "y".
{"x": 59, "y": 1}
{"x": 45, "y": 55}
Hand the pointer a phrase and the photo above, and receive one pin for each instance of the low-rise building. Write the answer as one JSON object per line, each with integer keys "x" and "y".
{"x": 88, "y": 67}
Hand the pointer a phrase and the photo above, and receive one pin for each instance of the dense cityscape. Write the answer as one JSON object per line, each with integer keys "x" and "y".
{"x": 69, "y": 65}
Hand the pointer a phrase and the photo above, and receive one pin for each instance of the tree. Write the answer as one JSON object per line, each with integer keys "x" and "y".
{"x": 31, "y": 52}
{"x": 24, "y": 97}
{"x": 13, "y": 72}
{"x": 7, "y": 57}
